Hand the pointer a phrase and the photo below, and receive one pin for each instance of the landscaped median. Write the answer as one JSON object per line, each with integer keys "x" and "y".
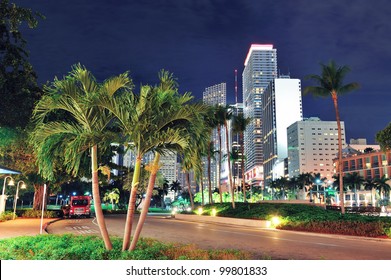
{"x": 298, "y": 217}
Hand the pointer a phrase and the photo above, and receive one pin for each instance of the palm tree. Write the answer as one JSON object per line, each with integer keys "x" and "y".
{"x": 227, "y": 117}
{"x": 187, "y": 162}
{"x": 211, "y": 124}
{"x": 370, "y": 185}
{"x": 354, "y": 180}
{"x": 210, "y": 157}
{"x": 235, "y": 157}
{"x": 383, "y": 187}
{"x": 162, "y": 188}
{"x": 175, "y": 187}
{"x": 239, "y": 125}
{"x": 293, "y": 186}
{"x": 153, "y": 168}
{"x": 219, "y": 116}
{"x": 273, "y": 184}
{"x": 304, "y": 180}
{"x": 191, "y": 158}
{"x": 283, "y": 184}
{"x": 317, "y": 181}
{"x": 68, "y": 126}
{"x": 330, "y": 83}
{"x": 158, "y": 119}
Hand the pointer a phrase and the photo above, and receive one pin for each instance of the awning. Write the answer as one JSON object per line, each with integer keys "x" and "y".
{"x": 5, "y": 170}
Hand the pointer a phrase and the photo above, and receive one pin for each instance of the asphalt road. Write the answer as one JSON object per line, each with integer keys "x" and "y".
{"x": 262, "y": 243}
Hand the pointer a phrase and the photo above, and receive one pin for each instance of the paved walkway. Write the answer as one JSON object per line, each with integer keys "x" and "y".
{"x": 23, "y": 227}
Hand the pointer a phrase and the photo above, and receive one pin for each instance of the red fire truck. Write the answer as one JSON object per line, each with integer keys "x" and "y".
{"x": 79, "y": 205}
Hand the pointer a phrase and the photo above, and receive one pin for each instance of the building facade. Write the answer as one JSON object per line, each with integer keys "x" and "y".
{"x": 260, "y": 67}
{"x": 282, "y": 106}
{"x": 312, "y": 147}
{"x": 369, "y": 165}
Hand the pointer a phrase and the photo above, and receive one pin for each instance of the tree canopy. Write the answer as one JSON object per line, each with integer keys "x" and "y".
{"x": 383, "y": 137}
{"x": 18, "y": 80}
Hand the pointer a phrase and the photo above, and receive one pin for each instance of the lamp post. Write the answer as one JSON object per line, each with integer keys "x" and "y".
{"x": 43, "y": 208}
{"x": 16, "y": 195}
{"x": 2, "y": 202}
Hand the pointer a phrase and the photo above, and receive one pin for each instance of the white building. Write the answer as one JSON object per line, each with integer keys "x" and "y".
{"x": 282, "y": 106}
{"x": 361, "y": 145}
{"x": 215, "y": 95}
{"x": 260, "y": 67}
{"x": 312, "y": 146}
{"x": 168, "y": 166}
{"x": 168, "y": 162}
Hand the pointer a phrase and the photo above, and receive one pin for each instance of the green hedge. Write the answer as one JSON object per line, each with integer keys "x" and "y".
{"x": 91, "y": 247}
{"x": 306, "y": 217}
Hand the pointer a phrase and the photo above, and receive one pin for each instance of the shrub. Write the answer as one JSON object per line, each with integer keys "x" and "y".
{"x": 78, "y": 247}
{"x": 37, "y": 214}
{"x": 7, "y": 215}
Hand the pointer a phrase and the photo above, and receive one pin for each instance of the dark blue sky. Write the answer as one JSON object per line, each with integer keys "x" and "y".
{"x": 202, "y": 42}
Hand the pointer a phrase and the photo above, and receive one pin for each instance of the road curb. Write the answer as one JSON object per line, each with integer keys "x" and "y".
{"x": 45, "y": 225}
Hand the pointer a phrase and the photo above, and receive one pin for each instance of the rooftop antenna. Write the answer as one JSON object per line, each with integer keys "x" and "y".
{"x": 236, "y": 86}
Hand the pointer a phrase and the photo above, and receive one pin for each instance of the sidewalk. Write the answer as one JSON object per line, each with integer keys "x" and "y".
{"x": 23, "y": 227}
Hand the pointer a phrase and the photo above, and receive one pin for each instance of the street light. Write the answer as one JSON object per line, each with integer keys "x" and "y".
{"x": 10, "y": 183}
{"x": 16, "y": 195}
{"x": 318, "y": 182}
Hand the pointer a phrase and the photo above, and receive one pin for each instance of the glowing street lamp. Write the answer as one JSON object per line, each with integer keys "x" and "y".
{"x": 16, "y": 195}
{"x": 3, "y": 199}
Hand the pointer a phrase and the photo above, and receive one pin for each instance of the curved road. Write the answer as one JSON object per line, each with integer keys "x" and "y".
{"x": 262, "y": 243}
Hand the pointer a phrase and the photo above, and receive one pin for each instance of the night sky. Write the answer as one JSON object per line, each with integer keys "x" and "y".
{"x": 203, "y": 42}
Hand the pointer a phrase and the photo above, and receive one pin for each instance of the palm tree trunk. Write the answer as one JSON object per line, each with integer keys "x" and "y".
{"x": 209, "y": 179}
{"x": 189, "y": 189}
{"x": 242, "y": 166}
{"x": 97, "y": 202}
{"x": 147, "y": 202}
{"x": 229, "y": 165}
{"x": 202, "y": 193}
{"x": 340, "y": 167}
{"x": 219, "y": 171}
{"x": 132, "y": 203}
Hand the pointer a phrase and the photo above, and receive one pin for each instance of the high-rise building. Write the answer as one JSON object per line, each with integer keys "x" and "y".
{"x": 168, "y": 166}
{"x": 260, "y": 67}
{"x": 312, "y": 146}
{"x": 216, "y": 95}
{"x": 281, "y": 107}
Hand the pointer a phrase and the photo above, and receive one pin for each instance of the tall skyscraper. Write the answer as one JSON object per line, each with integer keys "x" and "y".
{"x": 312, "y": 146}
{"x": 281, "y": 107}
{"x": 215, "y": 95}
{"x": 260, "y": 67}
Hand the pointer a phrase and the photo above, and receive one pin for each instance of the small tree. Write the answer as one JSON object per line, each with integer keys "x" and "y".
{"x": 112, "y": 196}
